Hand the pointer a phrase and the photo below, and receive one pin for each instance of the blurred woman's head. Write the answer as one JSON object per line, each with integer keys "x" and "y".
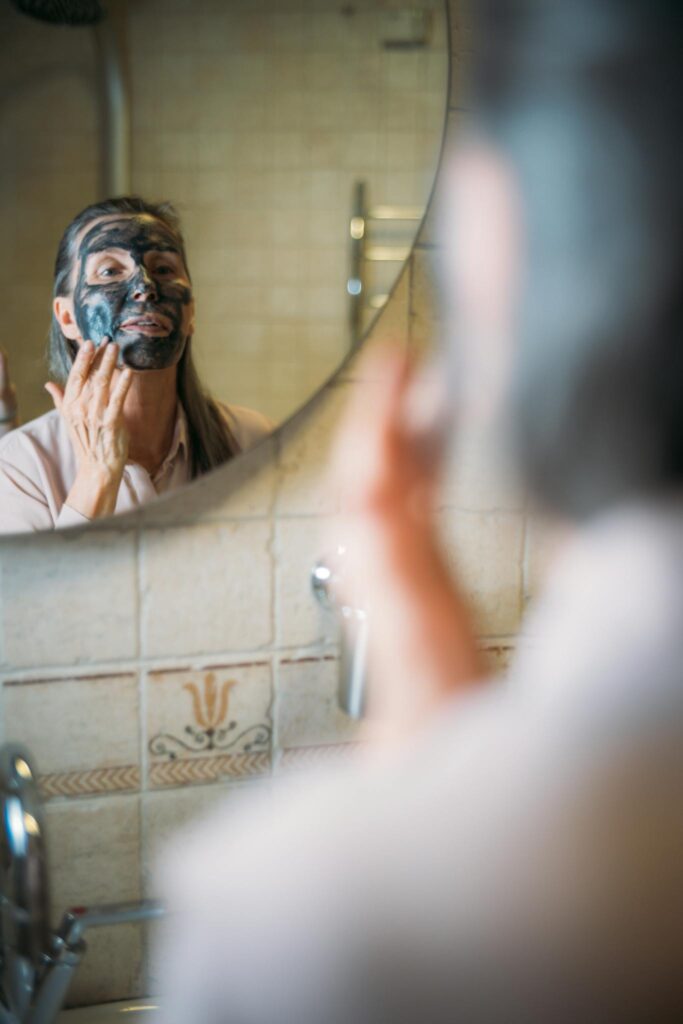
{"x": 573, "y": 248}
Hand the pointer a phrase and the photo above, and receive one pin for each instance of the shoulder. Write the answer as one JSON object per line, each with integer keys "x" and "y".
{"x": 45, "y": 434}
{"x": 247, "y": 425}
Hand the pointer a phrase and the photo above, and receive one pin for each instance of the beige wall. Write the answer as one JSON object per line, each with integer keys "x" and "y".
{"x": 255, "y": 120}
{"x": 48, "y": 171}
{"x": 120, "y": 645}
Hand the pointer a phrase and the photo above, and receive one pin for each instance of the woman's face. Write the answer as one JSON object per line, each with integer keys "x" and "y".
{"x": 130, "y": 283}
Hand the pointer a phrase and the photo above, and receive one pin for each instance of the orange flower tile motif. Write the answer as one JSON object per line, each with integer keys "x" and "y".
{"x": 209, "y": 724}
{"x": 211, "y": 706}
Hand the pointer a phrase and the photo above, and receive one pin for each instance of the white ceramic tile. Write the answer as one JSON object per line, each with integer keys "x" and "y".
{"x": 166, "y": 814}
{"x": 308, "y": 712}
{"x": 69, "y": 599}
{"x": 486, "y": 551}
{"x": 304, "y": 486}
{"x": 206, "y": 588}
{"x": 94, "y": 858}
{"x": 300, "y": 544}
{"x": 479, "y": 475}
{"x": 425, "y": 327}
{"x": 93, "y": 851}
{"x": 112, "y": 967}
{"x": 84, "y": 725}
{"x": 544, "y": 541}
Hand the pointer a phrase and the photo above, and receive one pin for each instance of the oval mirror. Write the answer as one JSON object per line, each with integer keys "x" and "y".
{"x": 297, "y": 140}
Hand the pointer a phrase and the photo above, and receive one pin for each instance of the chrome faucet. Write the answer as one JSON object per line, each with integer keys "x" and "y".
{"x": 352, "y": 692}
{"x": 37, "y": 965}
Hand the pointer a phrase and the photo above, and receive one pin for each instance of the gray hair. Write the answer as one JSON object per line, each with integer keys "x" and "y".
{"x": 584, "y": 98}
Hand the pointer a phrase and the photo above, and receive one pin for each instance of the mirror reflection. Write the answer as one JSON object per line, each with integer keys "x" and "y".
{"x": 285, "y": 153}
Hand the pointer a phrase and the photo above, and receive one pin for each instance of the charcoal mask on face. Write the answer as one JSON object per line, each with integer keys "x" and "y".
{"x": 144, "y": 312}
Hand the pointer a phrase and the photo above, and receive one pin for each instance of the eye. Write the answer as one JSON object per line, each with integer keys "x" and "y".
{"x": 108, "y": 271}
{"x": 164, "y": 269}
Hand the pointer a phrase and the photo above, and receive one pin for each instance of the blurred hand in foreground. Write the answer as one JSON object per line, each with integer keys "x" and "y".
{"x": 387, "y": 468}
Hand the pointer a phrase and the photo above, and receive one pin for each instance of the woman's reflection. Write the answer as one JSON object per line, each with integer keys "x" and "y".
{"x": 131, "y": 418}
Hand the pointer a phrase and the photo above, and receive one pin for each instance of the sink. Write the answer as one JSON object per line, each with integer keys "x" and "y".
{"x": 130, "y": 1011}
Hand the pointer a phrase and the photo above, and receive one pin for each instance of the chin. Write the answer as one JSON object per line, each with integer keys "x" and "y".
{"x": 151, "y": 354}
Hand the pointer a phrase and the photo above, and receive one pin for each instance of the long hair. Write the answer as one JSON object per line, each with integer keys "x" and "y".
{"x": 211, "y": 441}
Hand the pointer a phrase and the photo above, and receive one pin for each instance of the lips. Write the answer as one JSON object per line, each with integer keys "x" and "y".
{"x": 147, "y": 323}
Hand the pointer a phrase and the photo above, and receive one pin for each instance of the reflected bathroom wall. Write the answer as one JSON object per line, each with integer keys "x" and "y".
{"x": 256, "y": 120}
{"x": 49, "y": 169}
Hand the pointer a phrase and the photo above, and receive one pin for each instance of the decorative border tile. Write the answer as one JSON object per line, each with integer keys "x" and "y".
{"x": 124, "y": 778}
{"x": 300, "y": 758}
{"x": 187, "y": 771}
{"x": 209, "y": 724}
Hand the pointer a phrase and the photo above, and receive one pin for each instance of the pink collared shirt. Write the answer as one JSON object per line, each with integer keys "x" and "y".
{"x": 38, "y": 468}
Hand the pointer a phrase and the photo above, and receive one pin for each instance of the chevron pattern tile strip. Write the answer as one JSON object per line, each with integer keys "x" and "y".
{"x": 185, "y": 771}
{"x": 90, "y": 781}
{"x": 303, "y": 757}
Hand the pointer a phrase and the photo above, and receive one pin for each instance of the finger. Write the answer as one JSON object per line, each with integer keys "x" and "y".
{"x": 118, "y": 396}
{"x": 105, "y": 361}
{"x": 79, "y": 372}
{"x": 100, "y": 350}
{"x": 56, "y": 394}
{"x": 4, "y": 370}
{"x": 101, "y": 380}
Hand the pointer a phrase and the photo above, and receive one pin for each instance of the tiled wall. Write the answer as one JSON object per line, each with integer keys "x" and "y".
{"x": 255, "y": 119}
{"x": 48, "y": 171}
{"x": 162, "y": 662}
{"x": 298, "y": 101}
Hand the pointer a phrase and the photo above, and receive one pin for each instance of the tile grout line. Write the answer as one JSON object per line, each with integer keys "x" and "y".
{"x": 178, "y": 663}
{"x": 142, "y": 713}
{"x": 274, "y": 624}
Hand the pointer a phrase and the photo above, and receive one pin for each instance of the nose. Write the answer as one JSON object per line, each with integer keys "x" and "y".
{"x": 143, "y": 287}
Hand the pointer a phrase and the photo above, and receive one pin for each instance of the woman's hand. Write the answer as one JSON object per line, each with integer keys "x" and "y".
{"x": 8, "y": 398}
{"x": 92, "y": 407}
{"x": 422, "y": 646}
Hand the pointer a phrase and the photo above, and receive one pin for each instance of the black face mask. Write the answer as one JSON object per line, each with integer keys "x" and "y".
{"x": 102, "y": 309}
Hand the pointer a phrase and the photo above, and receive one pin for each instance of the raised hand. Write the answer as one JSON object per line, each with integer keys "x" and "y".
{"x": 91, "y": 405}
{"x": 8, "y": 397}
{"x": 421, "y": 645}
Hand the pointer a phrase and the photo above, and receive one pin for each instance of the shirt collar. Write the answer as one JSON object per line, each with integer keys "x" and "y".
{"x": 180, "y": 444}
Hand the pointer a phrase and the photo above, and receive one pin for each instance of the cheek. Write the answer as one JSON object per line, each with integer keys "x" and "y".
{"x": 96, "y": 312}
{"x": 99, "y": 319}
